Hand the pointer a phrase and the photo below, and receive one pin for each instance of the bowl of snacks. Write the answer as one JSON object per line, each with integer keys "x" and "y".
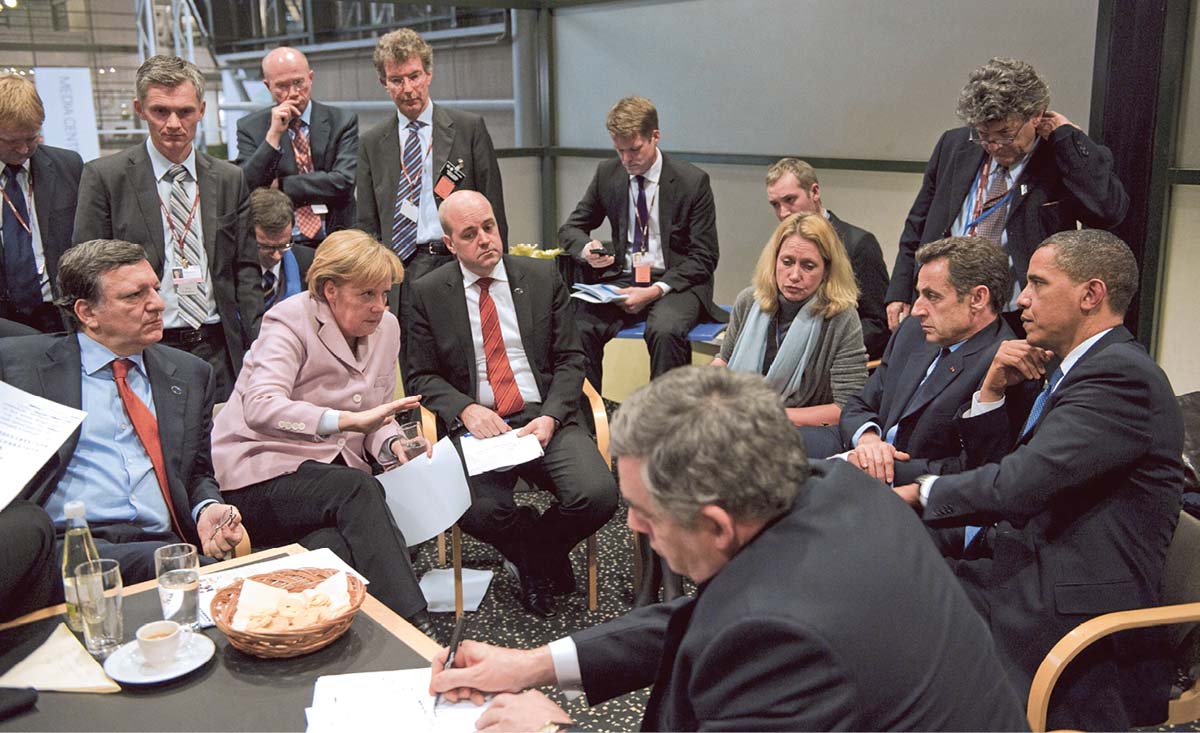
{"x": 287, "y": 613}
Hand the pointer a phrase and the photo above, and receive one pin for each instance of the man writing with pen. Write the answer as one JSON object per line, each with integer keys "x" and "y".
{"x": 793, "y": 562}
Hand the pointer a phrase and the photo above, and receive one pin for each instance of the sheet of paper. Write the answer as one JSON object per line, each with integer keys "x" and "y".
{"x": 396, "y": 700}
{"x": 32, "y": 429}
{"x": 322, "y": 558}
{"x": 61, "y": 664}
{"x": 427, "y": 495}
{"x": 438, "y": 588}
{"x": 503, "y": 451}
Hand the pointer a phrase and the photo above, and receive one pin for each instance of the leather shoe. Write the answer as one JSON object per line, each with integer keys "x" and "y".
{"x": 423, "y": 622}
{"x": 536, "y": 596}
{"x": 562, "y": 580}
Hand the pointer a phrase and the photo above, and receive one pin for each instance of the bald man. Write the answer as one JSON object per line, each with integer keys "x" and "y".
{"x": 304, "y": 148}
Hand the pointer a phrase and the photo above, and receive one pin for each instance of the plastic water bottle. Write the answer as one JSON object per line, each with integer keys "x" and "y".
{"x": 78, "y": 547}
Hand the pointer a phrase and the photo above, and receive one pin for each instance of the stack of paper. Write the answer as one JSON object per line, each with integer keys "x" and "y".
{"x": 397, "y": 700}
{"x": 601, "y": 293}
{"x": 499, "y": 453}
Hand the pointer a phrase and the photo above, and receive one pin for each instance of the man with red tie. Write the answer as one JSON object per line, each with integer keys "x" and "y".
{"x": 140, "y": 462}
{"x": 493, "y": 348}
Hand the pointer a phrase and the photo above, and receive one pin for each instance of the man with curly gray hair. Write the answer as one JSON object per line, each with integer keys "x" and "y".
{"x": 1015, "y": 173}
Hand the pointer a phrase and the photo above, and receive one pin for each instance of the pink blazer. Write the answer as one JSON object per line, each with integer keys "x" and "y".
{"x": 299, "y": 367}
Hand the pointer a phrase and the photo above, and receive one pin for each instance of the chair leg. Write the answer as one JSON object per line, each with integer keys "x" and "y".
{"x": 456, "y": 551}
{"x": 593, "y": 591}
{"x": 441, "y": 542}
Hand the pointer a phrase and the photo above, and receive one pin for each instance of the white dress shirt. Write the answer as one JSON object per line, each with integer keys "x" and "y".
{"x": 653, "y": 235}
{"x": 429, "y": 229}
{"x": 509, "y": 329}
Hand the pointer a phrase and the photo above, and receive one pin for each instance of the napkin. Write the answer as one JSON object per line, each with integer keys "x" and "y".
{"x": 60, "y": 664}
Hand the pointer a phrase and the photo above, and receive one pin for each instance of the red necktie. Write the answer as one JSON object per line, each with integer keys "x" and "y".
{"x": 499, "y": 371}
{"x": 308, "y": 222}
{"x": 146, "y": 428}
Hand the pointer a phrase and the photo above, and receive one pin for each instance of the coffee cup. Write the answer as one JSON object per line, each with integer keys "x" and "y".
{"x": 159, "y": 641}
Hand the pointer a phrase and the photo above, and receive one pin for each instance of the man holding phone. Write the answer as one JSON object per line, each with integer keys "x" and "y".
{"x": 664, "y": 243}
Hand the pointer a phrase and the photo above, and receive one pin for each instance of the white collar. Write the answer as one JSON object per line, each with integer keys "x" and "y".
{"x": 655, "y": 172}
{"x": 162, "y": 165}
{"x": 470, "y": 278}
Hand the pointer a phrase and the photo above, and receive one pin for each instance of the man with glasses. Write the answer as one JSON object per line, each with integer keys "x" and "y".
{"x": 302, "y": 147}
{"x": 284, "y": 265}
{"x": 1015, "y": 174}
{"x": 40, "y": 186}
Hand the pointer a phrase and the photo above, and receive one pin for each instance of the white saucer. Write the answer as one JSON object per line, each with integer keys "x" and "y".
{"x": 127, "y": 665}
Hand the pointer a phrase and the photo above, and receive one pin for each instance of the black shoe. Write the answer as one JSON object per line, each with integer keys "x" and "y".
{"x": 423, "y": 622}
{"x": 562, "y": 580}
{"x": 536, "y": 595}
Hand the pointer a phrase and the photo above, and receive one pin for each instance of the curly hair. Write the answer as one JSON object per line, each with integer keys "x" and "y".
{"x": 1002, "y": 88}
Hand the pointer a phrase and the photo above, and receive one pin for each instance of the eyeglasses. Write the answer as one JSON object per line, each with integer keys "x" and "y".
{"x": 978, "y": 137}
{"x": 274, "y": 246}
{"x": 284, "y": 86}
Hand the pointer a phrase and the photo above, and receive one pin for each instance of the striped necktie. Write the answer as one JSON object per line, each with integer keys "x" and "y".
{"x": 499, "y": 370}
{"x": 408, "y": 188}
{"x": 193, "y": 308}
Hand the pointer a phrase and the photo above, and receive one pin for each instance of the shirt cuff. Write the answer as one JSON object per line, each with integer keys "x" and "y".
{"x": 865, "y": 427}
{"x": 663, "y": 287}
{"x": 565, "y": 657}
{"x": 328, "y": 424}
{"x": 925, "y": 487}
{"x": 385, "y": 452}
{"x": 979, "y": 407}
{"x": 199, "y": 508}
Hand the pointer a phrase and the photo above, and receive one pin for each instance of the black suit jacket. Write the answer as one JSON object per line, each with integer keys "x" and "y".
{"x": 182, "y": 385}
{"x": 55, "y": 173}
{"x": 866, "y": 258}
{"x": 687, "y": 225}
{"x": 1084, "y": 507}
{"x": 118, "y": 199}
{"x": 1068, "y": 178}
{"x": 333, "y": 140}
{"x": 929, "y": 424}
{"x": 791, "y": 634}
{"x": 441, "y": 354}
{"x": 457, "y": 136}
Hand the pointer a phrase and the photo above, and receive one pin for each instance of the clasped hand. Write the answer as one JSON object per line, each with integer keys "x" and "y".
{"x": 875, "y": 457}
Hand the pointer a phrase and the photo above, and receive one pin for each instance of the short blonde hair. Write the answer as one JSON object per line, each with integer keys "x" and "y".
{"x": 20, "y": 105}
{"x": 837, "y": 293}
{"x": 169, "y": 72}
{"x": 804, "y": 173}
{"x": 632, "y": 116}
{"x": 399, "y": 46}
{"x": 352, "y": 255}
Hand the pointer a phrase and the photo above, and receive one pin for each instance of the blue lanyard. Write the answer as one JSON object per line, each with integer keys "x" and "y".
{"x": 990, "y": 210}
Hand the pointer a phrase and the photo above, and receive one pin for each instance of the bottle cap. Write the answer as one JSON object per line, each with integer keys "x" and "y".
{"x": 74, "y": 510}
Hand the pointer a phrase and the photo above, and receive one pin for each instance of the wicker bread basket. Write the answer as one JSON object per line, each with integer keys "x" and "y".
{"x": 281, "y": 644}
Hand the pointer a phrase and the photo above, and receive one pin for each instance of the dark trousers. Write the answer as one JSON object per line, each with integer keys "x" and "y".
{"x": 208, "y": 343}
{"x": 131, "y": 546}
{"x": 28, "y": 575}
{"x": 821, "y": 441}
{"x": 571, "y": 469}
{"x": 303, "y": 506}
{"x": 668, "y": 321}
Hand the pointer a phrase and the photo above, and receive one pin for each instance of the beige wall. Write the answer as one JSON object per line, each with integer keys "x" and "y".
{"x": 522, "y": 199}
{"x": 1178, "y": 344}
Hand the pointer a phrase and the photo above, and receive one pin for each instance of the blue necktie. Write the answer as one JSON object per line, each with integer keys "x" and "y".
{"x": 1035, "y": 414}
{"x": 268, "y": 289}
{"x": 408, "y": 188}
{"x": 20, "y": 267}
{"x": 641, "y": 224}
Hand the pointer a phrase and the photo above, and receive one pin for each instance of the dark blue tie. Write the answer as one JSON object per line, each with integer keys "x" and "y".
{"x": 641, "y": 223}
{"x": 24, "y": 285}
{"x": 268, "y": 289}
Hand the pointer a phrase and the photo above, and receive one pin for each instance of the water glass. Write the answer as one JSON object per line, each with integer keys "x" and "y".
{"x": 98, "y": 589}
{"x": 178, "y": 570}
{"x": 412, "y": 441}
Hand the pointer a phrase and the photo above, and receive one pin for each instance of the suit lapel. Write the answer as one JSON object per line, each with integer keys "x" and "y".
{"x": 318, "y": 133}
{"x": 458, "y": 322}
{"x": 656, "y": 716}
{"x": 666, "y": 207}
{"x": 44, "y": 173}
{"x": 141, "y": 178}
{"x": 170, "y": 404}
{"x": 207, "y": 181}
{"x": 618, "y": 190}
{"x": 910, "y": 379}
{"x": 967, "y": 161}
{"x": 333, "y": 338}
{"x": 1039, "y": 167}
{"x": 443, "y": 139}
{"x": 517, "y": 286}
{"x": 1118, "y": 335}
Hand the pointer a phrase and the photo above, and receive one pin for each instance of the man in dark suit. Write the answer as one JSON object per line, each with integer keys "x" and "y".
{"x": 40, "y": 188}
{"x": 284, "y": 265}
{"x": 904, "y": 421}
{"x": 140, "y": 461}
{"x": 1016, "y": 173}
{"x": 820, "y": 603}
{"x": 28, "y": 576}
{"x": 493, "y": 348}
{"x": 793, "y": 188}
{"x": 1077, "y": 516}
{"x": 302, "y": 147}
{"x": 408, "y": 165}
{"x": 191, "y": 213}
{"x": 664, "y": 244}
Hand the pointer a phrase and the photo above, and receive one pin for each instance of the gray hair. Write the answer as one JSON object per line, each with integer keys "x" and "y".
{"x": 973, "y": 261}
{"x": 712, "y": 436}
{"x": 168, "y": 71}
{"x": 1002, "y": 88}
{"x": 1086, "y": 254}
{"x": 82, "y": 266}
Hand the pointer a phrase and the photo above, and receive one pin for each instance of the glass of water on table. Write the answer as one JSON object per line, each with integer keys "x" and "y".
{"x": 178, "y": 570}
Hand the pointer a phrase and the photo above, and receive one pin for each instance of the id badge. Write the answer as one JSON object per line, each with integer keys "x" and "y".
{"x": 641, "y": 268}
{"x": 319, "y": 209}
{"x": 444, "y": 187}
{"x": 409, "y": 210}
{"x": 187, "y": 279}
{"x": 448, "y": 179}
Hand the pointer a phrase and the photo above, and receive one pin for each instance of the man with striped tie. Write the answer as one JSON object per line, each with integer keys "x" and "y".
{"x": 493, "y": 348}
{"x": 191, "y": 213}
{"x": 1074, "y": 520}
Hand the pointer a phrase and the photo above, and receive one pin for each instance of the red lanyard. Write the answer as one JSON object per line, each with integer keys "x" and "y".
{"x": 178, "y": 236}
{"x": 404, "y": 168}
{"x": 13, "y": 207}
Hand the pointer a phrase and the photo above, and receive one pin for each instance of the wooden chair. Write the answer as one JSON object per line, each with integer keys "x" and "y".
{"x": 1181, "y": 591}
{"x": 600, "y": 417}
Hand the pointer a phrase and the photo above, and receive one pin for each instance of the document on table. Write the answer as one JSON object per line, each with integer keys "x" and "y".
{"x": 397, "y": 700}
{"x": 32, "y": 429}
{"x": 61, "y": 664}
{"x": 427, "y": 495}
{"x": 503, "y": 451}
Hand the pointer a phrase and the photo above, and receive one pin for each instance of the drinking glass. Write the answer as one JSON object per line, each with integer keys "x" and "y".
{"x": 412, "y": 440}
{"x": 178, "y": 570}
{"x": 98, "y": 588}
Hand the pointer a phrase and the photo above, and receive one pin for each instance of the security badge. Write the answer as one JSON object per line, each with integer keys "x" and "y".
{"x": 187, "y": 279}
{"x": 448, "y": 179}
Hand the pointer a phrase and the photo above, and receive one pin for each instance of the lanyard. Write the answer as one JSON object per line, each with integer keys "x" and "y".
{"x": 404, "y": 169}
{"x": 644, "y": 226}
{"x": 179, "y": 236}
{"x": 13, "y": 207}
{"x": 979, "y": 214}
